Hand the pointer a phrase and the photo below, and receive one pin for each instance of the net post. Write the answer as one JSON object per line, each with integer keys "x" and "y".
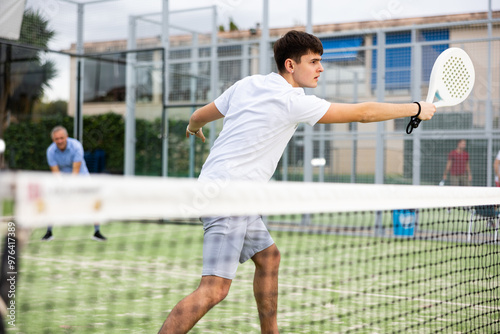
{"x": 471, "y": 225}
{"x": 130, "y": 127}
{"x": 379, "y": 225}
{"x": 416, "y": 95}
{"x": 497, "y": 222}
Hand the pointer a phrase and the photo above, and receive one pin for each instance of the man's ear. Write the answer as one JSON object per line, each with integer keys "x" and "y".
{"x": 289, "y": 65}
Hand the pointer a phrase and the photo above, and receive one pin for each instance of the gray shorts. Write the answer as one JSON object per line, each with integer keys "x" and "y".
{"x": 229, "y": 240}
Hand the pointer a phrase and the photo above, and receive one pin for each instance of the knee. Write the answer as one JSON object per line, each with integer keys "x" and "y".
{"x": 214, "y": 290}
{"x": 274, "y": 254}
{"x": 277, "y": 255}
{"x": 268, "y": 259}
{"x": 218, "y": 294}
{"x": 274, "y": 257}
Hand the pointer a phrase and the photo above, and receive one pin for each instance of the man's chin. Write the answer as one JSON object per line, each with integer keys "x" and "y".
{"x": 313, "y": 85}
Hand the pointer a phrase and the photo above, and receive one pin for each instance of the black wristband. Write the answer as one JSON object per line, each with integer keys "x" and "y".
{"x": 419, "y": 109}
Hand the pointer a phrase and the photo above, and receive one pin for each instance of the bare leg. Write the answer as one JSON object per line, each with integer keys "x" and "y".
{"x": 265, "y": 287}
{"x": 187, "y": 312}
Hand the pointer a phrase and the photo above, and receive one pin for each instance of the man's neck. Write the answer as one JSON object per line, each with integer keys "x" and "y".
{"x": 288, "y": 77}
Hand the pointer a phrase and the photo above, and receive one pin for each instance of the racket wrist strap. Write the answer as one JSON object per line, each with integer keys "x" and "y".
{"x": 419, "y": 109}
{"x": 414, "y": 120}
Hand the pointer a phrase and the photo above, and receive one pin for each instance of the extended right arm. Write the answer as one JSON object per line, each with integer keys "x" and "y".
{"x": 367, "y": 112}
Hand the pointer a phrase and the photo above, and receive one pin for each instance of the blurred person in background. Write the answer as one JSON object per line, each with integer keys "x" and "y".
{"x": 65, "y": 155}
{"x": 458, "y": 166}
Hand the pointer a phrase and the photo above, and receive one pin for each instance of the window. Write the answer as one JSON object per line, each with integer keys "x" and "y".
{"x": 339, "y": 48}
{"x": 431, "y": 52}
{"x": 398, "y": 60}
{"x": 104, "y": 79}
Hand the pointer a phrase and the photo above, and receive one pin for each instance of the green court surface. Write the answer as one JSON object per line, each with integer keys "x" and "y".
{"x": 328, "y": 283}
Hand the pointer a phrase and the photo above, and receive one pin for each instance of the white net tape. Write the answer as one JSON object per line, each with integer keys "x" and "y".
{"x": 42, "y": 198}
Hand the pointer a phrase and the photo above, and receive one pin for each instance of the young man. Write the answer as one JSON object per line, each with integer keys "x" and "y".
{"x": 65, "y": 155}
{"x": 261, "y": 114}
{"x": 458, "y": 166}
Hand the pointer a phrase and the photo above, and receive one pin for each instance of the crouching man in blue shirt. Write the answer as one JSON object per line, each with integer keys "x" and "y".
{"x": 65, "y": 155}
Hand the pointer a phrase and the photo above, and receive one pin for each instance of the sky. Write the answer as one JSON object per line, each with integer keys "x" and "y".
{"x": 108, "y": 19}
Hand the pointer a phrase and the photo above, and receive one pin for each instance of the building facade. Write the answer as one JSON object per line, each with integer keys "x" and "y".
{"x": 380, "y": 60}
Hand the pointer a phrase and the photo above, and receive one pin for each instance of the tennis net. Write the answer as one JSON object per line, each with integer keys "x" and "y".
{"x": 354, "y": 258}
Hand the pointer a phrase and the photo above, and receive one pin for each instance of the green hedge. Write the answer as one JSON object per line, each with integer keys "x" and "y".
{"x": 27, "y": 143}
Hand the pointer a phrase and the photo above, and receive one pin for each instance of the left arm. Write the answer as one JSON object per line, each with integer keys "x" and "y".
{"x": 447, "y": 168}
{"x": 76, "y": 167}
{"x": 55, "y": 169}
{"x": 201, "y": 117}
{"x": 467, "y": 168}
{"x": 78, "y": 157}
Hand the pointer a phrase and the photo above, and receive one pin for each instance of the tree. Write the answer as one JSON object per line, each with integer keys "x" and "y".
{"x": 232, "y": 25}
{"x": 24, "y": 72}
{"x": 52, "y": 109}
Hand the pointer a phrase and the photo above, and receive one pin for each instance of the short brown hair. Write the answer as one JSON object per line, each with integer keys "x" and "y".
{"x": 294, "y": 44}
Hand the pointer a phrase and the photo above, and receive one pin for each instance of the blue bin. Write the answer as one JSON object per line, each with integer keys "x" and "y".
{"x": 404, "y": 222}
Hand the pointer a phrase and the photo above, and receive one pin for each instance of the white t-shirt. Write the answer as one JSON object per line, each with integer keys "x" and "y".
{"x": 261, "y": 115}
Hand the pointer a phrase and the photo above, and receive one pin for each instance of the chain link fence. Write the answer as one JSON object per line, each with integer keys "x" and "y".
{"x": 383, "y": 60}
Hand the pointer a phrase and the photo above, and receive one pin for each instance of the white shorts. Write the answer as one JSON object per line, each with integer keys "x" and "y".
{"x": 229, "y": 240}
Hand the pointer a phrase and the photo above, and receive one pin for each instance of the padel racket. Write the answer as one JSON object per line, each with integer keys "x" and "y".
{"x": 451, "y": 81}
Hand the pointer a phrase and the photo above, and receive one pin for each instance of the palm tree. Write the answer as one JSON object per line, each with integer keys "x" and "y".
{"x": 25, "y": 73}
